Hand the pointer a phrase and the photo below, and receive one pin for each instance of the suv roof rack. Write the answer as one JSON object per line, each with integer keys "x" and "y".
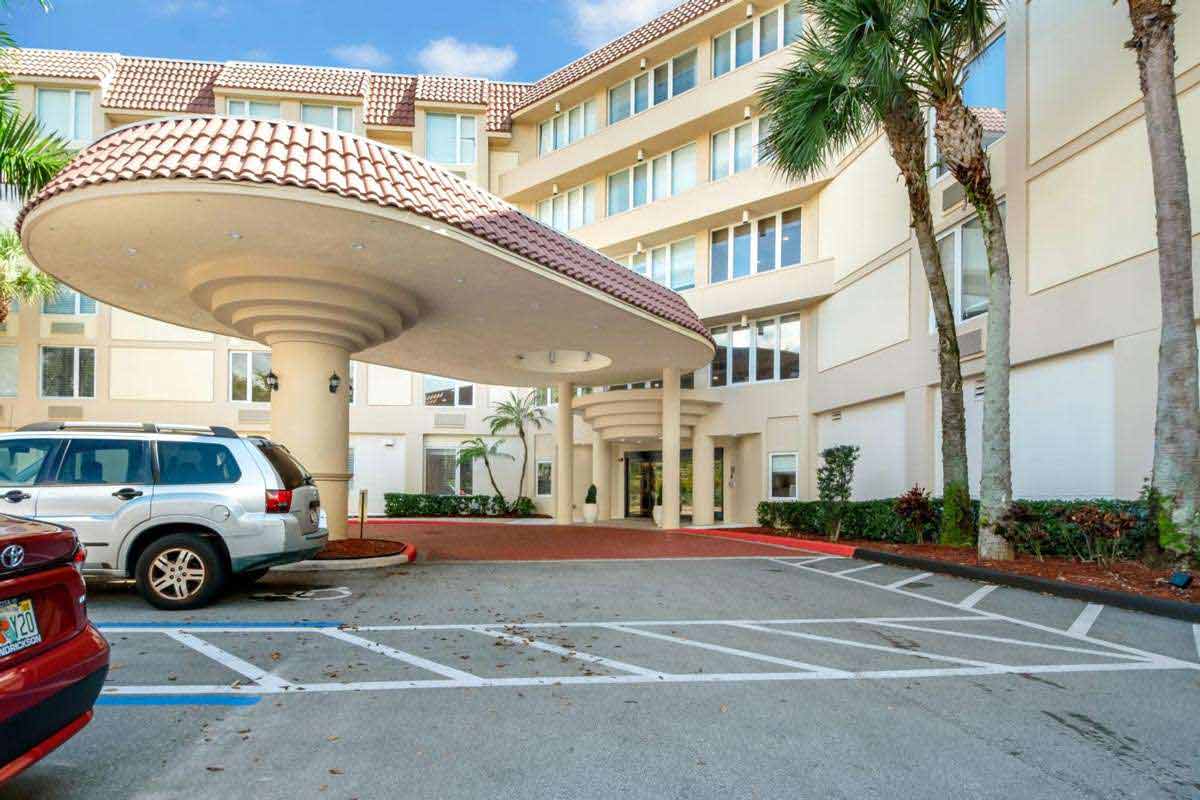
{"x": 219, "y": 431}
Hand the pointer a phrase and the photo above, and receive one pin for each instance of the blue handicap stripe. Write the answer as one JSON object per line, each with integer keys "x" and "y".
{"x": 177, "y": 700}
{"x": 283, "y": 623}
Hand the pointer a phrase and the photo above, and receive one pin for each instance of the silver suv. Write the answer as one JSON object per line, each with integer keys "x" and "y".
{"x": 184, "y": 510}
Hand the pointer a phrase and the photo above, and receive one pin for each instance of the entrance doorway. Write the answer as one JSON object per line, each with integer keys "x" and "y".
{"x": 643, "y": 482}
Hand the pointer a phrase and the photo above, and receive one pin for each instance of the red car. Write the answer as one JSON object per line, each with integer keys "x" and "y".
{"x": 52, "y": 660}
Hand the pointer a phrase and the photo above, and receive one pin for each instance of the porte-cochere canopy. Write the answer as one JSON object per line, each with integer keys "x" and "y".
{"x": 278, "y": 231}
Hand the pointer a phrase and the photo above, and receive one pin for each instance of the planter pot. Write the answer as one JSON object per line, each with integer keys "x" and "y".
{"x": 658, "y": 516}
{"x": 591, "y": 512}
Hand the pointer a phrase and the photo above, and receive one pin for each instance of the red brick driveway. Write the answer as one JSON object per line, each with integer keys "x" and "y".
{"x": 440, "y": 541}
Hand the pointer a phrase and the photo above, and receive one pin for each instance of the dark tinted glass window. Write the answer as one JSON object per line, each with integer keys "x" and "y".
{"x": 22, "y": 459}
{"x": 291, "y": 472}
{"x": 196, "y": 462}
{"x": 105, "y": 461}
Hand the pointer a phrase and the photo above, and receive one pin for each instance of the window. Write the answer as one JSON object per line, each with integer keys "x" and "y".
{"x": 290, "y": 471}
{"x": 763, "y": 350}
{"x": 21, "y": 460}
{"x": 351, "y": 397}
{"x": 648, "y": 89}
{"x": 68, "y": 372}
{"x": 784, "y": 479}
{"x": 673, "y": 265}
{"x": 983, "y": 87}
{"x": 252, "y": 108}
{"x": 339, "y": 118}
{"x": 450, "y": 138}
{"x": 964, "y": 261}
{"x": 656, "y": 179}
{"x": 545, "y": 477}
{"x": 248, "y": 377}
{"x": 760, "y": 246}
{"x": 196, "y": 462}
{"x": 443, "y": 474}
{"x": 68, "y": 301}
{"x": 448, "y": 392}
{"x": 105, "y": 461}
{"x": 8, "y": 371}
{"x": 67, "y": 112}
{"x": 569, "y": 210}
{"x": 752, "y": 39}
{"x": 568, "y": 127}
{"x": 736, "y": 149}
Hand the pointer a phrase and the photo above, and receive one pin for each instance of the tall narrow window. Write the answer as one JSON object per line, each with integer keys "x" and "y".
{"x": 784, "y": 481}
{"x": 661, "y": 169}
{"x": 638, "y": 263}
{"x": 8, "y": 371}
{"x": 683, "y": 168}
{"x": 683, "y": 265}
{"x": 768, "y": 33}
{"x": 973, "y": 299}
{"x": 618, "y": 103}
{"x": 658, "y": 265}
{"x": 662, "y": 83}
{"x": 764, "y": 350}
{"x": 575, "y": 123}
{"x": 719, "y": 369}
{"x": 641, "y": 93}
{"x": 790, "y": 242}
{"x": 641, "y": 185}
{"x": 765, "y": 244}
{"x": 718, "y": 258}
{"x": 741, "y": 250}
{"x": 743, "y": 147}
{"x": 793, "y": 21}
{"x": 743, "y": 45}
{"x": 618, "y": 192}
{"x": 545, "y": 477}
{"x": 683, "y": 73}
{"x": 720, "y": 154}
{"x": 722, "y": 54}
{"x": 739, "y": 354}
{"x": 789, "y": 347}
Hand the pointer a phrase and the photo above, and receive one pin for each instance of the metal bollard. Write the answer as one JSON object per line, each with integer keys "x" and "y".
{"x": 362, "y": 513}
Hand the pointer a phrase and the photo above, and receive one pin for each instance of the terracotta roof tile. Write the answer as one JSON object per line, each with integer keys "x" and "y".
{"x": 446, "y": 89}
{"x": 160, "y": 84}
{"x": 994, "y": 120}
{"x": 292, "y": 78}
{"x": 59, "y": 63}
{"x": 620, "y": 47}
{"x": 291, "y": 154}
{"x": 502, "y": 99}
{"x": 390, "y": 100}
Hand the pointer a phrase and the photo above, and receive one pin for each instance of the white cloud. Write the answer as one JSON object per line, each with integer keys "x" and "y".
{"x": 364, "y": 55}
{"x": 171, "y": 8}
{"x": 599, "y": 21}
{"x": 256, "y": 54}
{"x": 449, "y": 56}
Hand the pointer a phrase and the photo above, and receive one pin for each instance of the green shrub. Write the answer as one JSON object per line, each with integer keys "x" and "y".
{"x": 524, "y": 507}
{"x": 916, "y": 509}
{"x": 835, "y": 479}
{"x": 591, "y": 495}
{"x": 398, "y": 504}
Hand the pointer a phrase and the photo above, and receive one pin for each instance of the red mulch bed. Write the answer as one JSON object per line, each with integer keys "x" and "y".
{"x": 1123, "y": 576}
{"x": 359, "y": 548}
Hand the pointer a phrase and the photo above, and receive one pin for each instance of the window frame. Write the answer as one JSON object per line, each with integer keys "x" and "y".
{"x": 537, "y": 467}
{"x": 77, "y": 349}
{"x": 651, "y": 196}
{"x": 648, "y": 256}
{"x": 648, "y": 73}
{"x": 756, "y": 39}
{"x": 584, "y": 192}
{"x": 550, "y": 125}
{"x": 249, "y": 398}
{"x": 247, "y": 103}
{"x": 458, "y": 138}
{"x": 777, "y": 218}
{"x": 956, "y": 230}
{"x": 459, "y": 468}
{"x": 771, "y": 496}
{"x": 756, "y": 125}
{"x": 778, "y": 321}
{"x": 336, "y": 110}
{"x": 72, "y": 97}
{"x": 77, "y": 310}
{"x": 457, "y": 387}
{"x": 16, "y": 371}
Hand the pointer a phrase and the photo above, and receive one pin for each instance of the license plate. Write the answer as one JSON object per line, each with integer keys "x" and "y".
{"x": 18, "y": 627}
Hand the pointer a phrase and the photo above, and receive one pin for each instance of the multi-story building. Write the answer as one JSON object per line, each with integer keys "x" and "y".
{"x": 646, "y": 149}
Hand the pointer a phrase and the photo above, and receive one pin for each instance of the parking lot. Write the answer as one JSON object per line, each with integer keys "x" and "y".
{"x": 759, "y": 676}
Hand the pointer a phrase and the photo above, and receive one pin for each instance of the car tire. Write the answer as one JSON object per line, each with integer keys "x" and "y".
{"x": 179, "y": 572}
{"x": 249, "y": 577}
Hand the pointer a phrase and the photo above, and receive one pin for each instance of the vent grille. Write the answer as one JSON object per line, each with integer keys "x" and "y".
{"x": 836, "y": 416}
{"x": 979, "y": 390}
{"x": 65, "y": 412}
{"x": 253, "y": 415}
{"x": 450, "y": 420}
{"x": 67, "y": 328}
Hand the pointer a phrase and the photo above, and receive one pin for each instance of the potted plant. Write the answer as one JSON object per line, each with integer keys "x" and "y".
{"x": 591, "y": 511}
{"x": 658, "y": 506}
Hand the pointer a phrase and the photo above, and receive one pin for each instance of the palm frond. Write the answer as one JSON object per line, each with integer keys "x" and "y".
{"x": 29, "y": 156}
{"x": 19, "y": 279}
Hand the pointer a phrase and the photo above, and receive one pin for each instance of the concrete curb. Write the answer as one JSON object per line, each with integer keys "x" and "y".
{"x": 342, "y": 564}
{"x": 1176, "y": 609}
{"x": 813, "y": 545}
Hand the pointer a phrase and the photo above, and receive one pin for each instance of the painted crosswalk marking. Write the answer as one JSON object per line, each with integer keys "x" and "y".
{"x": 974, "y": 597}
{"x": 1086, "y": 619}
{"x": 910, "y": 579}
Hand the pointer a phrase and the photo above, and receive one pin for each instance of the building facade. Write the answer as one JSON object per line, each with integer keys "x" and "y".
{"x": 646, "y": 150}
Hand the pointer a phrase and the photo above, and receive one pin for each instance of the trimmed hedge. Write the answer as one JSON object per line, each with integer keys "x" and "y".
{"x": 877, "y": 520}
{"x": 436, "y": 505}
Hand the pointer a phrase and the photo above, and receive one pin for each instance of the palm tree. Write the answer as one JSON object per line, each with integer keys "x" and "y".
{"x": 473, "y": 450}
{"x": 844, "y": 83}
{"x": 20, "y": 280}
{"x": 1176, "y": 471}
{"x": 518, "y": 413}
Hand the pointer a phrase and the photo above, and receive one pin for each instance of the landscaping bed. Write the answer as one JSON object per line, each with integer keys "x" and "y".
{"x": 360, "y": 548}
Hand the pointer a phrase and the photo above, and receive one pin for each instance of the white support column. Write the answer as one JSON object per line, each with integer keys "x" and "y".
{"x": 670, "y": 447}
{"x": 601, "y": 472}
{"x": 313, "y": 422}
{"x": 703, "y": 475}
{"x": 564, "y": 460}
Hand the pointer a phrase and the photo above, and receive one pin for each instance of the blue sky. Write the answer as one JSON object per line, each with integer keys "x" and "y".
{"x": 509, "y": 39}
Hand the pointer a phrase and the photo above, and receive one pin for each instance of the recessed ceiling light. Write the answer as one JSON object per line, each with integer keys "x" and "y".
{"x": 234, "y": 235}
{"x": 132, "y": 251}
{"x": 357, "y": 246}
{"x": 460, "y": 280}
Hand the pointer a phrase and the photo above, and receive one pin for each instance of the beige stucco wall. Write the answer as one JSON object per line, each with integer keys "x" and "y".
{"x": 868, "y": 315}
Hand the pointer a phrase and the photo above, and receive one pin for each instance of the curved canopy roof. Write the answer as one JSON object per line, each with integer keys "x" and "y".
{"x": 193, "y": 220}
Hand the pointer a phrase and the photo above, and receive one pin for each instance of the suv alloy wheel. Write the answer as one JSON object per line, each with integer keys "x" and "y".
{"x": 180, "y": 571}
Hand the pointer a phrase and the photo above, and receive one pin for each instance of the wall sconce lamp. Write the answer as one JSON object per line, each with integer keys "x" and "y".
{"x": 272, "y": 381}
{"x": 335, "y": 381}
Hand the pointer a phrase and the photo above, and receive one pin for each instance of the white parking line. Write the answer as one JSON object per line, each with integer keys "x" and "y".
{"x": 911, "y": 579}
{"x": 1196, "y": 636}
{"x": 731, "y": 651}
{"x": 229, "y": 660}
{"x": 974, "y": 597}
{"x": 563, "y": 651}
{"x": 1086, "y": 619}
{"x": 877, "y": 647}
{"x": 400, "y": 655}
{"x": 1004, "y": 640}
{"x": 852, "y": 570}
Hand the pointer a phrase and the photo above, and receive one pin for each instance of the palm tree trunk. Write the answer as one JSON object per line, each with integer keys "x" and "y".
{"x": 524, "y": 462}
{"x": 905, "y": 128}
{"x": 1176, "y": 471}
{"x": 487, "y": 463}
{"x": 960, "y": 142}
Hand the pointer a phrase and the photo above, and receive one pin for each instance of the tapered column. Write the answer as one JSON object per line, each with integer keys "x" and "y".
{"x": 564, "y": 461}
{"x": 703, "y": 476}
{"x": 601, "y": 472}
{"x": 312, "y": 422}
{"x": 670, "y": 447}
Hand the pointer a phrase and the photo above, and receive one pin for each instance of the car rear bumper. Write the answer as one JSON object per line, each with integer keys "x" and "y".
{"x": 48, "y": 699}
{"x": 301, "y": 547}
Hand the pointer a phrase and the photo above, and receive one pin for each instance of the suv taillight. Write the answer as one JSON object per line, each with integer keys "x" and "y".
{"x": 279, "y": 501}
{"x": 79, "y": 557}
